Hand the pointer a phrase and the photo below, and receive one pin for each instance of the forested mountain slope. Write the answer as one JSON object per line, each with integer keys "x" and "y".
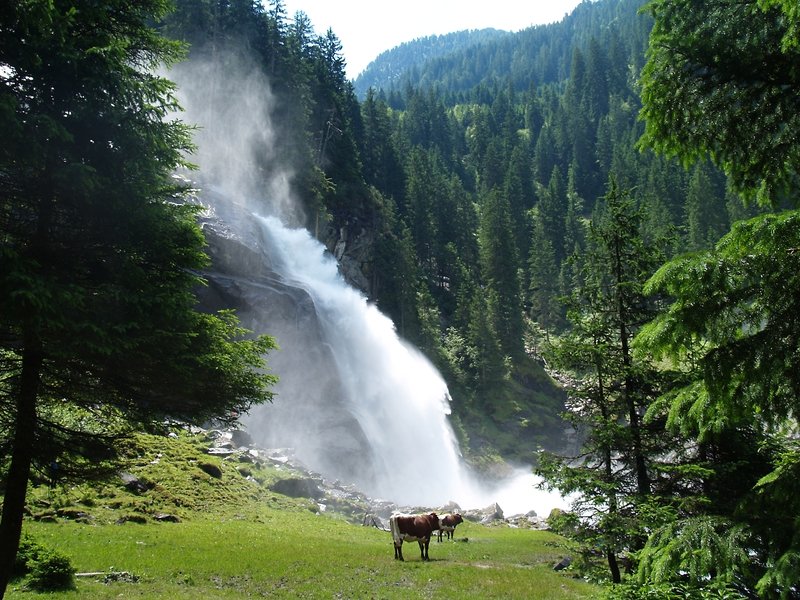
{"x": 390, "y": 66}
{"x": 467, "y": 189}
{"x": 537, "y": 55}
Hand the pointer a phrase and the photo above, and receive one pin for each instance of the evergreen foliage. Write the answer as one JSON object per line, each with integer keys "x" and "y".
{"x": 711, "y": 70}
{"x": 391, "y": 65}
{"x": 100, "y": 255}
{"x": 612, "y": 474}
{"x": 44, "y": 569}
{"x": 728, "y": 332}
{"x": 522, "y": 191}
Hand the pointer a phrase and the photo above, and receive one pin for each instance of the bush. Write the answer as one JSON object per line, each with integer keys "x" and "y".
{"x": 670, "y": 591}
{"x": 45, "y": 569}
{"x": 26, "y": 556}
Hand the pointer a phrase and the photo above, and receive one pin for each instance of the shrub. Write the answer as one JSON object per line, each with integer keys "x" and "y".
{"x": 46, "y": 569}
{"x": 26, "y": 556}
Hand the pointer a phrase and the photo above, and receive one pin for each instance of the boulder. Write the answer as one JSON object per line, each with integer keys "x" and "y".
{"x": 304, "y": 487}
{"x": 134, "y": 484}
{"x": 166, "y": 518}
{"x": 240, "y": 438}
{"x": 563, "y": 563}
{"x": 491, "y": 514}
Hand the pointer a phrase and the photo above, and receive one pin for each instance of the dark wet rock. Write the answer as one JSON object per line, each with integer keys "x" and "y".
{"x": 563, "y": 563}
{"x": 135, "y": 484}
{"x": 240, "y": 438}
{"x": 305, "y": 487}
{"x": 72, "y": 514}
{"x": 210, "y": 469}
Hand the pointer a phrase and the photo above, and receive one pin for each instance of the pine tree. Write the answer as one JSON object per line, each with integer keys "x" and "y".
{"x": 706, "y": 216}
{"x": 544, "y": 289}
{"x": 100, "y": 258}
{"x": 613, "y": 472}
{"x": 500, "y": 268}
{"x": 731, "y": 325}
{"x": 380, "y": 164}
{"x": 702, "y": 83}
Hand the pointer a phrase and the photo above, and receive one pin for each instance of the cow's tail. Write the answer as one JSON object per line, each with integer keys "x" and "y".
{"x": 395, "y": 530}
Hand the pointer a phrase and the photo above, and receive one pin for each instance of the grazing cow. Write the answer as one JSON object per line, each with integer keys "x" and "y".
{"x": 447, "y": 525}
{"x": 413, "y": 528}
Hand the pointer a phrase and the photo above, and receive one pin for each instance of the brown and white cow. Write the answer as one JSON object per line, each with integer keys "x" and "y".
{"x": 413, "y": 528}
{"x": 447, "y": 525}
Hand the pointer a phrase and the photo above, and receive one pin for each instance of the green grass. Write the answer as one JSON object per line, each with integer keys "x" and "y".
{"x": 238, "y": 539}
{"x": 296, "y": 554}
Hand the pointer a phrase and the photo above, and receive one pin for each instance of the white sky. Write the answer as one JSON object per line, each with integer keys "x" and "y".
{"x": 368, "y": 27}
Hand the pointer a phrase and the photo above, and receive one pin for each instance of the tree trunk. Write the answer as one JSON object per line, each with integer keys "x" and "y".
{"x": 639, "y": 463}
{"x": 613, "y": 566}
{"x": 19, "y": 470}
{"x": 608, "y": 467}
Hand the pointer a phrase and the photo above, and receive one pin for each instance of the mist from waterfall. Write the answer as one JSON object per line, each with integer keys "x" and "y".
{"x": 396, "y": 395}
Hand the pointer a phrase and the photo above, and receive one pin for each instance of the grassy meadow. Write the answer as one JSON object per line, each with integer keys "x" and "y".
{"x": 238, "y": 539}
{"x": 298, "y": 555}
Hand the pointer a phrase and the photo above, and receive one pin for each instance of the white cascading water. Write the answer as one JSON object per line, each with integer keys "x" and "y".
{"x": 399, "y": 399}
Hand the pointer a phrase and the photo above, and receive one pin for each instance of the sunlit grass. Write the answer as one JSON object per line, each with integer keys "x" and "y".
{"x": 239, "y": 539}
{"x": 296, "y": 554}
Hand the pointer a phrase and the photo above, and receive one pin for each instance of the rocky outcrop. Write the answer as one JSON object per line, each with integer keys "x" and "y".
{"x": 333, "y": 496}
{"x": 352, "y": 246}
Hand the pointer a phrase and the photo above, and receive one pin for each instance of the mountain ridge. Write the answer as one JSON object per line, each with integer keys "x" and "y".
{"x": 393, "y": 63}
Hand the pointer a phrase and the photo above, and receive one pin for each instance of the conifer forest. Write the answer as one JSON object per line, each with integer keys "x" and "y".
{"x": 591, "y": 225}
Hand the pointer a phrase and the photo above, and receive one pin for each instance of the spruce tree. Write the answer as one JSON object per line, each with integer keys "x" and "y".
{"x": 500, "y": 268}
{"x": 613, "y": 472}
{"x": 100, "y": 257}
{"x": 731, "y": 325}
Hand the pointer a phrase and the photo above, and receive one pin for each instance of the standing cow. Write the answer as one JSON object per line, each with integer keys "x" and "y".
{"x": 447, "y": 525}
{"x": 413, "y": 528}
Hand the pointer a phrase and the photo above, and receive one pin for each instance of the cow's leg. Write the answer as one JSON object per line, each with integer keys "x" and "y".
{"x": 398, "y": 550}
{"x": 423, "y": 547}
{"x": 440, "y": 535}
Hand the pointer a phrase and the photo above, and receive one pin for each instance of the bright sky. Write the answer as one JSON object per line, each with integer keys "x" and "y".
{"x": 368, "y": 27}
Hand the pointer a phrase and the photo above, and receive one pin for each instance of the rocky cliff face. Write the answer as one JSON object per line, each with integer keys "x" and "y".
{"x": 352, "y": 247}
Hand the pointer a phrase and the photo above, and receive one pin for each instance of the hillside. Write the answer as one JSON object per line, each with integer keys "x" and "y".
{"x": 391, "y": 65}
{"x": 182, "y": 473}
{"x": 541, "y": 55}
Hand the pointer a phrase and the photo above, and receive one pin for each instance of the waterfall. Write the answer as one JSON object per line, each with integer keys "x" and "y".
{"x": 354, "y": 400}
{"x": 397, "y": 397}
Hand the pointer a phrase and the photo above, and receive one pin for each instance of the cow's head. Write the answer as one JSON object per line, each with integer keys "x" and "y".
{"x": 434, "y": 519}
